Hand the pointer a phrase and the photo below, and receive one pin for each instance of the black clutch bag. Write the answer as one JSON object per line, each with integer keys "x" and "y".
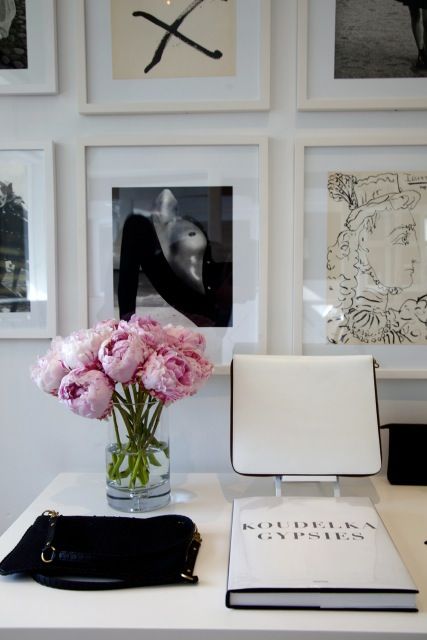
{"x": 97, "y": 552}
{"x": 406, "y": 453}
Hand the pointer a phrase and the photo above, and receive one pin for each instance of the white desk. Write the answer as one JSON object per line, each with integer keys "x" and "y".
{"x": 28, "y": 609}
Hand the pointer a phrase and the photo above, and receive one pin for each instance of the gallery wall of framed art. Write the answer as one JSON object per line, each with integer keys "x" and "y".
{"x": 267, "y": 152}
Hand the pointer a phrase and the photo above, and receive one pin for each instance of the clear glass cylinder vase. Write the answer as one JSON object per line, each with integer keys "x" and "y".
{"x": 137, "y": 458}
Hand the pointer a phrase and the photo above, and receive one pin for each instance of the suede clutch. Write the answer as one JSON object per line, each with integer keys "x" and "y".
{"x": 103, "y": 552}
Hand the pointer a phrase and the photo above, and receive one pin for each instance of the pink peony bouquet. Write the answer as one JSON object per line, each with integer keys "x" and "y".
{"x": 130, "y": 369}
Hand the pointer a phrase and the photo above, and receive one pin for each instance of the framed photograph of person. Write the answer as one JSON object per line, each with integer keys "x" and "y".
{"x": 361, "y": 249}
{"x": 28, "y": 62}
{"x": 362, "y": 55}
{"x": 27, "y": 242}
{"x": 176, "y": 228}
{"x": 147, "y": 56}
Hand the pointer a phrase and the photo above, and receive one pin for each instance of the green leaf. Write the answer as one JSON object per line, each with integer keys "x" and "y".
{"x": 153, "y": 460}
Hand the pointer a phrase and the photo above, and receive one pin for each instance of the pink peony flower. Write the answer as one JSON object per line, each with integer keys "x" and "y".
{"x": 123, "y": 353}
{"x": 84, "y": 368}
{"x": 183, "y": 337}
{"x": 87, "y": 392}
{"x": 170, "y": 375}
{"x": 202, "y": 368}
{"x": 106, "y": 326}
{"x": 80, "y": 349}
{"x": 150, "y": 330}
{"x": 49, "y": 370}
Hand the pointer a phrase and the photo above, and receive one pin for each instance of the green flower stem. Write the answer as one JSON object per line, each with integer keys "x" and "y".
{"x": 116, "y": 429}
{"x": 155, "y": 423}
{"x": 140, "y": 415}
{"x": 114, "y": 471}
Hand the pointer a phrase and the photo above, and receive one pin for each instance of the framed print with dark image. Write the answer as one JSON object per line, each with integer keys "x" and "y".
{"x": 361, "y": 55}
{"x": 28, "y": 62}
{"x": 185, "y": 55}
{"x": 361, "y": 219}
{"x": 27, "y": 243}
{"x": 176, "y": 230}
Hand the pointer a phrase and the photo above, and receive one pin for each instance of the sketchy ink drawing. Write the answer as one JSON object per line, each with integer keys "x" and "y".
{"x": 376, "y": 259}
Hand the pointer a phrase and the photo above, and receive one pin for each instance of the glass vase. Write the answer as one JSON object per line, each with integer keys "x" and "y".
{"x": 137, "y": 462}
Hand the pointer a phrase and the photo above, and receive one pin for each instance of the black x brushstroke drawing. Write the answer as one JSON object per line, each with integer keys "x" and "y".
{"x": 172, "y": 30}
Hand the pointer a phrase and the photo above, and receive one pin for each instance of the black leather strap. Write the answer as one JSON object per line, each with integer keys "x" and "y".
{"x": 81, "y": 583}
{"x": 84, "y": 584}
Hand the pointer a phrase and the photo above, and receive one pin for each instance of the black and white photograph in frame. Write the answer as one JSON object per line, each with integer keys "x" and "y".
{"x": 13, "y": 35}
{"x": 27, "y": 242}
{"x": 367, "y": 55}
{"x": 381, "y": 39}
{"x": 176, "y": 228}
{"x": 14, "y": 253}
{"x": 28, "y": 56}
{"x": 172, "y": 252}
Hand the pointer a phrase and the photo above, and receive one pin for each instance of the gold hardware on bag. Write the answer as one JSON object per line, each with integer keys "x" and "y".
{"x": 52, "y": 515}
{"x": 192, "y": 552}
{"x": 52, "y": 550}
{"x": 48, "y": 552}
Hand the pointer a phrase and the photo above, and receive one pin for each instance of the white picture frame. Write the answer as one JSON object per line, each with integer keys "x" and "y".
{"x": 40, "y": 74}
{"x": 246, "y": 90}
{"x": 27, "y": 241}
{"x": 318, "y": 90}
{"x": 174, "y": 163}
{"x": 316, "y": 158}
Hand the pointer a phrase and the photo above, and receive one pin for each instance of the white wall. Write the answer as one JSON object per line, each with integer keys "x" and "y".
{"x": 40, "y": 438}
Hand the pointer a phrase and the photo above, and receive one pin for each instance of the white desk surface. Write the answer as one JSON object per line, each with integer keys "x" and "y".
{"x": 28, "y": 609}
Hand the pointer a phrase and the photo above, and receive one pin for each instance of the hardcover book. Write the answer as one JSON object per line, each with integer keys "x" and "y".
{"x": 314, "y": 553}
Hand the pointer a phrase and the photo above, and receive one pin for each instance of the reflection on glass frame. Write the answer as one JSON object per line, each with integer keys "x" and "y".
{"x": 176, "y": 229}
{"x": 28, "y": 62}
{"x": 319, "y": 89}
{"x": 181, "y": 56}
{"x": 27, "y": 242}
{"x": 361, "y": 250}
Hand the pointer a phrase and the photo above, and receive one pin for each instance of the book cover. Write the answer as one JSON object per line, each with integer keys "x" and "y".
{"x": 320, "y": 553}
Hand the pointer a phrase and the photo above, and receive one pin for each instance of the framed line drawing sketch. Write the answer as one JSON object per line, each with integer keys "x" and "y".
{"x": 27, "y": 242}
{"x": 350, "y": 58}
{"x": 175, "y": 228}
{"x": 180, "y": 56}
{"x": 361, "y": 249}
{"x": 28, "y": 63}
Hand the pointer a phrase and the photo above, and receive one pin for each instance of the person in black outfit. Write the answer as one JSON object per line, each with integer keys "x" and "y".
{"x": 176, "y": 256}
{"x": 418, "y": 15}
